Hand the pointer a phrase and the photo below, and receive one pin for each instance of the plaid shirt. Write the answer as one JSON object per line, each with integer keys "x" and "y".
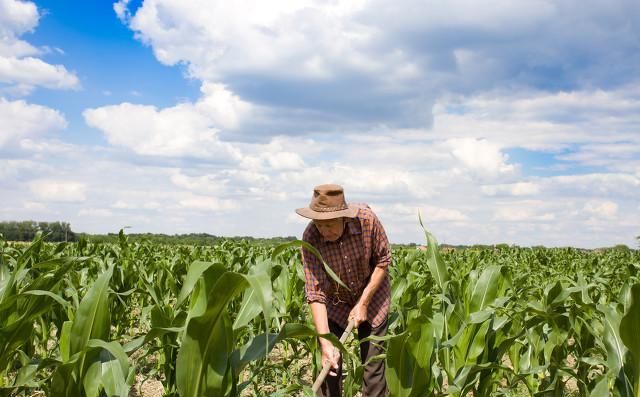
{"x": 362, "y": 247}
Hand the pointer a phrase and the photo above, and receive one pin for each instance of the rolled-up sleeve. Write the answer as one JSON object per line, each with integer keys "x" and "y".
{"x": 380, "y": 252}
{"x": 315, "y": 277}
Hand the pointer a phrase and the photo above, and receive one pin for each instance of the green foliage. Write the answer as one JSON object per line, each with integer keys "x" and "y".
{"x": 82, "y": 319}
{"x": 27, "y": 231}
{"x": 203, "y": 239}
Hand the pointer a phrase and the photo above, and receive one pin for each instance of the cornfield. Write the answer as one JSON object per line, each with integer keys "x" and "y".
{"x": 87, "y": 319}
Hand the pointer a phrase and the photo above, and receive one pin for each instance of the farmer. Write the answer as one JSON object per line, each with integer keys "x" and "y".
{"x": 353, "y": 243}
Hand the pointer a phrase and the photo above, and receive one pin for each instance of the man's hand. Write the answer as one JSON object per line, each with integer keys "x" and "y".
{"x": 330, "y": 354}
{"x": 359, "y": 314}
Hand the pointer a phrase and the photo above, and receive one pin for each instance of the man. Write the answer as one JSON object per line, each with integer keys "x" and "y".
{"x": 354, "y": 245}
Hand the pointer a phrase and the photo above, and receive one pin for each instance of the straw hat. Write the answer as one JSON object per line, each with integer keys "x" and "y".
{"x": 328, "y": 203}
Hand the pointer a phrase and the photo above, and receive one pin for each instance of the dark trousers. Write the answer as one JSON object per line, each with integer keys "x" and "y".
{"x": 374, "y": 382}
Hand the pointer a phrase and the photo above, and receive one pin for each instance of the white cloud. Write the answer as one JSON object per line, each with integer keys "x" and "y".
{"x": 17, "y": 17}
{"x": 223, "y": 107}
{"x": 285, "y": 161}
{"x": 176, "y": 131}
{"x": 95, "y": 212}
{"x": 130, "y": 205}
{"x": 430, "y": 214}
{"x": 434, "y": 214}
{"x": 20, "y": 70}
{"x": 35, "y": 72}
{"x": 527, "y": 210}
{"x": 10, "y": 47}
{"x": 58, "y": 190}
{"x": 207, "y": 203}
{"x": 544, "y": 121}
{"x": 22, "y": 120}
{"x": 13, "y": 169}
{"x": 280, "y": 161}
{"x": 596, "y": 184}
{"x": 334, "y": 80}
{"x": 481, "y": 156}
{"x": 212, "y": 184}
{"x": 205, "y": 199}
{"x": 271, "y": 37}
{"x": 325, "y": 57}
{"x": 512, "y": 189}
{"x": 121, "y": 10}
{"x": 186, "y": 129}
{"x": 601, "y": 209}
{"x": 34, "y": 206}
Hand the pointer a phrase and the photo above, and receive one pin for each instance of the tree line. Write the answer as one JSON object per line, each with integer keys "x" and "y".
{"x": 27, "y": 230}
{"x": 61, "y": 231}
{"x": 183, "y": 239}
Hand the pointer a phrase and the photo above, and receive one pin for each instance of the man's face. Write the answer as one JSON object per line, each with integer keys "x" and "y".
{"x": 330, "y": 229}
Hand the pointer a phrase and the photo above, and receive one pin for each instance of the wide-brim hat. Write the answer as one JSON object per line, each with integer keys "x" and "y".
{"x": 328, "y": 202}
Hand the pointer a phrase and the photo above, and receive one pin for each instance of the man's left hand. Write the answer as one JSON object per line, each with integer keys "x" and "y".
{"x": 358, "y": 314}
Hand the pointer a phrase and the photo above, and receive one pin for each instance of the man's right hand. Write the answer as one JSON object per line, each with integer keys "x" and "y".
{"x": 330, "y": 354}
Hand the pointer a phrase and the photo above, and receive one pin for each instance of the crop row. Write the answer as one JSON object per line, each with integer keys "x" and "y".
{"x": 88, "y": 319}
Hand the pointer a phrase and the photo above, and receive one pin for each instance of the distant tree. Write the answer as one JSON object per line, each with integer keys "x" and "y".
{"x": 26, "y": 231}
{"x": 620, "y": 247}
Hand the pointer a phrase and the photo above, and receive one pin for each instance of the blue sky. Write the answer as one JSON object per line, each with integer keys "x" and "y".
{"x": 505, "y": 121}
{"x": 111, "y": 64}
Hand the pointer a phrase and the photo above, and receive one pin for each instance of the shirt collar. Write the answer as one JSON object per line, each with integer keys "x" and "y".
{"x": 353, "y": 226}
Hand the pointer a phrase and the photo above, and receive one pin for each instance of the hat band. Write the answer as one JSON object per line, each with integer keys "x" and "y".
{"x": 329, "y": 209}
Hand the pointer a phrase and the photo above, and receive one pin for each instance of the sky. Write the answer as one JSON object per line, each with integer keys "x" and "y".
{"x": 497, "y": 121}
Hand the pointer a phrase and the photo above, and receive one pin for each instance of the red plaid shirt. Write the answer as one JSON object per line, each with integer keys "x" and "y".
{"x": 362, "y": 247}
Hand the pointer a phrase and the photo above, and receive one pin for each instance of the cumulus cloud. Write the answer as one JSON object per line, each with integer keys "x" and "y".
{"x": 34, "y": 206}
{"x": 29, "y": 72}
{"x": 23, "y": 120}
{"x": 20, "y": 70}
{"x": 298, "y": 56}
{"x": 512, "y": 189}
{"x": 17, "y": 17}
{"x": 595, "y": 184}
{"x": 58, "y": 190}
{"x": 95, "y": 212}
{"x": 601, "y": 209}
{"x": 10, "y": 47}
{"x": 324, "y": 56}
{"x": 294, "y": 95}
{"x": 206, "y": 183}
{"x": 186, "y": 129}
{"x": 526, "y": 210}
{"x": 140, "y": 205}
{"x": 122, "y": 11}
{"x": 430, "y": 214}
{"x": 481, "y": 156}
{"x": 206, "y": 203}
{"x": 274, "y": 156}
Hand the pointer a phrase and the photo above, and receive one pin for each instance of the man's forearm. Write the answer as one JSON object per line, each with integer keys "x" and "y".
{"x": 377, "y": 277}
{"x": 320, "y": 319}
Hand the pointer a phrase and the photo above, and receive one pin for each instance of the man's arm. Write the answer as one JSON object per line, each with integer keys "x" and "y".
{"x": 381, "y": 257}
{"x": 315, "y": 286}
{"x": 320, "y": 319}
{"x": 359, "y": 312}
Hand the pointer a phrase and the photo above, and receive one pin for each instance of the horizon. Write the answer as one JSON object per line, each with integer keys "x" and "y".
{"x": 128, "y": 231}
{"x": 502, "y": 123}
